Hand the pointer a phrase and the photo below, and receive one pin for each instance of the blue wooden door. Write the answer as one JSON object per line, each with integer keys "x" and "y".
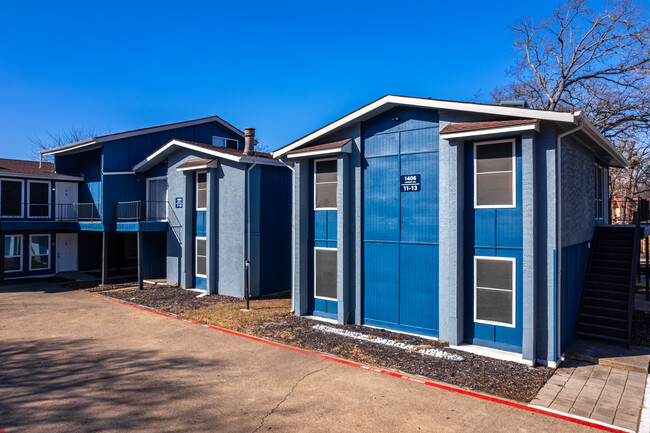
{"x": 400, "y": 228}
{"x": 493, "y": 240}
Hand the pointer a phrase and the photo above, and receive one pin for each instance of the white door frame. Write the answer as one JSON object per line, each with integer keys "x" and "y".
{"x": 59, "y": 243}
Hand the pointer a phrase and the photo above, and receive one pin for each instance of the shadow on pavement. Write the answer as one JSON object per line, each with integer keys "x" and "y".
{"x": 76, "y": 385}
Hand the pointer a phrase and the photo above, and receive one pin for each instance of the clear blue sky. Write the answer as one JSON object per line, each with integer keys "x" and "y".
{"x": 285, "y": 68}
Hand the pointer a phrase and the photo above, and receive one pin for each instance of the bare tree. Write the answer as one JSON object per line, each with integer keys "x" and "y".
{"x": 594, "y": 61}
{"x": 57, "y": 139}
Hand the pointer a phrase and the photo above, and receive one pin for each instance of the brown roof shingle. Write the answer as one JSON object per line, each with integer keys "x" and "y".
{"x": 478, "y": 126}
{"x": 25, "y": 167}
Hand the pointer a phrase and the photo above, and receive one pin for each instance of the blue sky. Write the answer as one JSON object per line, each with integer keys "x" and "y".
{"x": 285, "y": 68}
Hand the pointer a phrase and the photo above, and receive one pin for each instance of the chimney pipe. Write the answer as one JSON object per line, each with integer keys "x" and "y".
{"x": 249, "y": 148}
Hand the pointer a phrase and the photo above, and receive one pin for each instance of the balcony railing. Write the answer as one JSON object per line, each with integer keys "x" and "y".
{"x": 139, "y": 210}
{"x": 12, "y": 211}
{"x": 82, "y": 212}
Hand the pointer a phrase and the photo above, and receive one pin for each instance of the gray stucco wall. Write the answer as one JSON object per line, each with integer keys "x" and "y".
{"x": 578, "y": 189}
{"x": 232, "y": 230}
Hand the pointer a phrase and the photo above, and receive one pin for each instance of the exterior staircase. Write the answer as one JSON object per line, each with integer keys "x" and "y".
{"x": 608, "y": 292}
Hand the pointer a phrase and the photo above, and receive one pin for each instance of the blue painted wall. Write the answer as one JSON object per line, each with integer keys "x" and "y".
{"x": 275, "y": 229}
{"x": 574, "y": 268}
{"x": 322, "y": 234}
{"x": 89, "y": 165}
{"x": 400, "y": 229}
{"x": 492, "y": 232}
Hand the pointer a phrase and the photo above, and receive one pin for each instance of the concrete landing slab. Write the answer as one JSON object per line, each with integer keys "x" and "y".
{"x": 636, "y": 358}
{"x": 77, "y": 276}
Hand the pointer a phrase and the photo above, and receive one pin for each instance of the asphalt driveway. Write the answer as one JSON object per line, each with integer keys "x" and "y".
{"x": 72, "y": 362}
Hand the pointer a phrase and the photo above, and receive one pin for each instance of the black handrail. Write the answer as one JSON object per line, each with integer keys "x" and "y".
{"x": 138, "y": 210}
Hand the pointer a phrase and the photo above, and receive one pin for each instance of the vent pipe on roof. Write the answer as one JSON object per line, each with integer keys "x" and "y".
{"x": 516, "y": 104}
{"x": 249, "y": 135}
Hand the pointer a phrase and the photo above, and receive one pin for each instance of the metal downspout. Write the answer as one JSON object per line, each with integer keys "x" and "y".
{"x": 558, "y": 234}
{"x": 248, "y": 230}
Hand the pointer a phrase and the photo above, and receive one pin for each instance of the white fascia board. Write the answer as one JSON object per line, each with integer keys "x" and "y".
{"x": 117, "y": 173}
{"x": 53, "y": 176}
{"x": 390, "y": 101}
{"x": 159, "y": 154}
{"x": 347, "y": 148}
{"x": 492, "y": 131}
{"x": 72, "y": 149}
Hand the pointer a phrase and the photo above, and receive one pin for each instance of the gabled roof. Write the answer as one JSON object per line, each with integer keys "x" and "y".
{"x": 387, "y": 102}
{"x": 95, "y": 142}
{"x": 235, "y": 155}
{"x": 22, "y": 168}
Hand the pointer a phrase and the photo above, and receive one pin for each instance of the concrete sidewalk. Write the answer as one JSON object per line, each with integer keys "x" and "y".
{"x": 75, "y": 362}
{"x": 596, "y": 392}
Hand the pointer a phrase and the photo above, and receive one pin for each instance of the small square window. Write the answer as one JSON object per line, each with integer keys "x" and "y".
{"x": 201, "y": 191}
{"x": 39, "y": 252}
{"x": 494, "y": 290}
{"x": 325, "y": 273}
{"x": 201, "y": 258}
{"x": 13, "y": 253}
{"x": 494, "y": 174}
{"x": 325, "y": 185}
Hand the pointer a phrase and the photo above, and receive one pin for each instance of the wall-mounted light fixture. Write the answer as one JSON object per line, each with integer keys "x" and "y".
{"x": 396, "y": 118}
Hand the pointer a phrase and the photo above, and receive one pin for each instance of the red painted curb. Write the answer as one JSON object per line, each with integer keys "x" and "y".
{"x": 376, "y": 369}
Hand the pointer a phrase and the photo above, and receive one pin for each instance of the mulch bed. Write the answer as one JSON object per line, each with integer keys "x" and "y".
{"x": 641, "y": 328}
{"x": 270, "y": 318}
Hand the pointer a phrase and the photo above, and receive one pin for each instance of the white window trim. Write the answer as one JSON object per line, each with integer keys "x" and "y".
{"x": 196, "y": 250}
{"x": 22, "y": 246}
{"x": 316, "y": 161}
{"x": 22, "y": 198}
{"x": 514, "y": 175}
{"x": 514, "y": 290}
{"x": 147, "y": 195}
{"x": 322, "y": 297}
{"x": 196, "y": 190}
{"x": 49, "y": 199}
{"x": 49, "y": 252}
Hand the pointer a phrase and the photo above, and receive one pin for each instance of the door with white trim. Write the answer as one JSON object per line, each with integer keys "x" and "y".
{"x": 66, "y": 252}
{"x": 67, "y": 194}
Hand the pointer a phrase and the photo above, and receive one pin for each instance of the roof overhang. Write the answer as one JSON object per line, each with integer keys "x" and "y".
{"x": 212, "y": 164}
{"x": 161, "y": 154}
{"x": 53, "y": 176}
{"x": 91, "y": 143}
{"x": 346, "y": 147}
{"x": 491, "y": 131}
{"x": 390, "y": 101}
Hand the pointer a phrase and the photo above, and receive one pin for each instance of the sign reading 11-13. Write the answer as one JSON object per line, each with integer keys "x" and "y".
{"x": 410, "y": 182}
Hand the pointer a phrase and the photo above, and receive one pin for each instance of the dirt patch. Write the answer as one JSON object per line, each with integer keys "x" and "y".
{"x": 270, "y": 318}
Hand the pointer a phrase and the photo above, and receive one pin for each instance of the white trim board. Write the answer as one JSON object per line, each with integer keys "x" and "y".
{"x": 159, "y": 155}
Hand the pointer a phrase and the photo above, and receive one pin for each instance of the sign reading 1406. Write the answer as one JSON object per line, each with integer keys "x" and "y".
{"x": 410, "y": 182}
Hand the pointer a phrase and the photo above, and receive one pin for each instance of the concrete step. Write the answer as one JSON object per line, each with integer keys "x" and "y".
{"x": 635, "y": 358}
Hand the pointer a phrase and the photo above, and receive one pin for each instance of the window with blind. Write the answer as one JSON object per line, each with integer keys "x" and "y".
{"x": 494, "y": 174}
{"x": 325, "y": 184}
{"x": 494, "y": 290}
{"x": 325, "y": 273}
{"x": 201, "y": 191}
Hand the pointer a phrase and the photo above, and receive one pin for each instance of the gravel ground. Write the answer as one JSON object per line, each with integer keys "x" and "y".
{"x": 270, "y": 318}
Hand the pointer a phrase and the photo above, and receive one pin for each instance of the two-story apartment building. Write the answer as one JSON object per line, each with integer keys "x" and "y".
{"x": 165, "y": 199}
